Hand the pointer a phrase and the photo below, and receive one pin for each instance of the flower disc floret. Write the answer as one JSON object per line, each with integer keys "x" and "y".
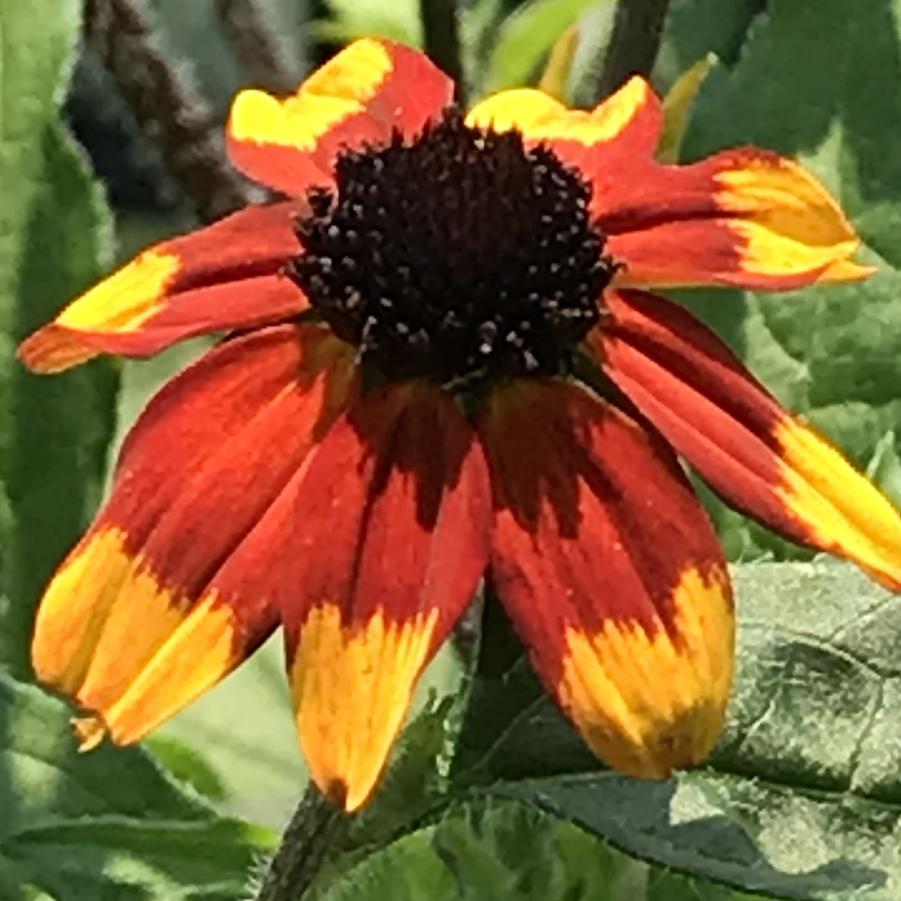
{"x": 457, "y": 256}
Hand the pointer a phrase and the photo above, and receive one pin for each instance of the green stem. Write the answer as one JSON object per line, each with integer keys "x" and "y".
{"x": 441, "y": 38}
{"x": 634, "y": 43}
{"x": 256, "y": 45}
{"x": 165, "y": 104}
{"x": 315, "y": 825}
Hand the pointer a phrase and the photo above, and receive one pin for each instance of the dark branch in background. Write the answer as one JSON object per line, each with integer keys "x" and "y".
{"x": 634, "y": 43}
{"x": 305, "y": 845}
{"x": 166, "y": 107}
{"x": 256, "y": 45}
{"x": 441, "y": 38}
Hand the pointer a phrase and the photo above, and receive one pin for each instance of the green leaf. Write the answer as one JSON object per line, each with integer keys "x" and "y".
{"x": 245, "y": 729}
{"x": 491, "y": 849}
{"x": 371, "y": 18}
{"x": 125, "y": 859}
{"x": 109, "y": 823}
{"x": 802, "y": 797}
{"x": 813, "y": 82}
{"x": 526, "y": 37}
{"x": 187, "y": 765}
{"x": 507, "y": 851}
{"x": 54, "y": 230}
{"x": 695, "y": 28}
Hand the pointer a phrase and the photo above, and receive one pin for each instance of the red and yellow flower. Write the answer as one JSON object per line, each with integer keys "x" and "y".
{"x": 442, "y": 363}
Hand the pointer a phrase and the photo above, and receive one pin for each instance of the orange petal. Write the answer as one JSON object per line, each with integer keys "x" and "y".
{"x": 371, "y": 554}
{"x": 540, "y": 118}
{"x": 760, "y": 458}
{"x": 122, "y": 627}
{"x": 363, "y": 94}
{"x": 225, "y": 276}
{"x": 611, "y": 574}
{"x": 626, "y": 125}
{"x": 744, "y": 217}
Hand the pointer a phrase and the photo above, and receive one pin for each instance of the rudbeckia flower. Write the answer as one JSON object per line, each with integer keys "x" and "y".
{"x": 442, "y": 365}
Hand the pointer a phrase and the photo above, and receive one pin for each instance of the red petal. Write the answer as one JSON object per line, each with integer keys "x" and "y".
{"x": 362, "y": 95}
{"x": 612, "y": 575}
{"x": 225, "y": 276}
{"x": 122, "y": 626}
{"x": 743, "y": 217}
{"x": 760, "y": 458}
{"x": 371, "y": 553}
{"x": 622, "y": 130}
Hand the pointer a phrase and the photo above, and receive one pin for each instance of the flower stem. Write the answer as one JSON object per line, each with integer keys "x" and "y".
{"x": 441, "y": 37}
{"x": 255, "y": 44}
{"x": 165, "y": 105}
{"x": 634, "y": 43}
{"x": 315, "y": 825}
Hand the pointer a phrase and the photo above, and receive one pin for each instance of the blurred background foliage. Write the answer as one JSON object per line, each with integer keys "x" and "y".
{"x": 491, "y": 796}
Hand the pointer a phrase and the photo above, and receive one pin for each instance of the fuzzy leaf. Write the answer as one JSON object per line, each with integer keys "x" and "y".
{"x": 54, "y": 232}
{"x": 107, "y": 824}
{"x": 802, "y": 797}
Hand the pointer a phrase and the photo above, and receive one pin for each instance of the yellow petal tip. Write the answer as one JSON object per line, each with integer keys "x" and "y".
{"x": 846, "y": 271}
{"x": 652, "y": 702}
{"x": 353, "y": 687}
{"x": 90, "y": 732}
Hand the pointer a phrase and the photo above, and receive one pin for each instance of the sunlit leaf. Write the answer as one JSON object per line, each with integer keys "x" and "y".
{"x": 506, "y": 851}
{"x": 802, "y": 797}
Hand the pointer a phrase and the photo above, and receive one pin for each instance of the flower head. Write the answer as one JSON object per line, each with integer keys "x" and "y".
{"x": 443, "y": 364}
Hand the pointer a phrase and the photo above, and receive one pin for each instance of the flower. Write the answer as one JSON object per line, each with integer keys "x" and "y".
{"x": 443, "y": 363}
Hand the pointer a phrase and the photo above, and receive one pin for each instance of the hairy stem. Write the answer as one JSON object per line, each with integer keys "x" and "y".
{"x": 441, "y": 37}
{"x": 256, "y": 46}
{"x": 634, "y": 43}
{"x": 315, "y": 825}
{"x": 165, "y": 105}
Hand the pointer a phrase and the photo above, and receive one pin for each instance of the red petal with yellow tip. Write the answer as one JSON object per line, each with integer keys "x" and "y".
{"x": 624, "y": 128}
{"x": 367, "y": 91}
{"x": 760, "y": 458}
{"x": 743, "y": 217}
{"x": 123, "y": 627}
{"x": 371, "y": 554}
{"x": 611, "y": 574}
{"x": 225, "y": 276}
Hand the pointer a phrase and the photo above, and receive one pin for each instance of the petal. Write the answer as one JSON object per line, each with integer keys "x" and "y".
{"x": 611, "y": 574}
{"x": 363, "y": 94}
{"x": 760, "y": 458}
{"x": 225, "y": 276}
{"x": 743, "y": 217}
{"x": 371, "y": 554}
{"x": 123, "y": 627}
{"x": 626, "y": 125}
